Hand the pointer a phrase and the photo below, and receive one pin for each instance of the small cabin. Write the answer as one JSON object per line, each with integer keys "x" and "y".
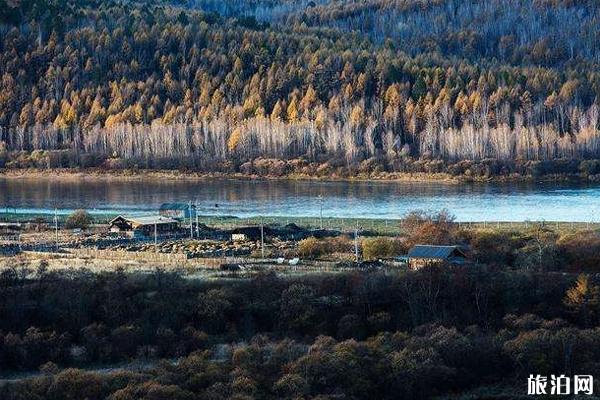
{"x": 178, "y": 211}
{"x": 423, "y": 255}
{"x": 144, "y": 226}
{"x": 10, "y": 227}
{"x": 238, "y": 237}
{"x": 251, "y": 232}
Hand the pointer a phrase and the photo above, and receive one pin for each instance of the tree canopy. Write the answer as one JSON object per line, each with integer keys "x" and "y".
{"x": 227, "y": 82}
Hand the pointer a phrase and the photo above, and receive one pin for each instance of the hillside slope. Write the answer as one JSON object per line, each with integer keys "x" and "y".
{"x": 212, "y": 85}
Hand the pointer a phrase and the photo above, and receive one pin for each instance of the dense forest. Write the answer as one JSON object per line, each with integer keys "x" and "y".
{"x": 214, "y": 85}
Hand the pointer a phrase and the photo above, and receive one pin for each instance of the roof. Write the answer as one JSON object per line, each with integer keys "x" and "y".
{"x": 436, "y": 252}
{"x": 175, "y": 206}
{"x": 252, "y": 232}
{"x": 10, "y": 224}
{"x": 147, "y": 220}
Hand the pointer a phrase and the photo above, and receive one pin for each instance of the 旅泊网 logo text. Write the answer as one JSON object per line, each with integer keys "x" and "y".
{"x": 560, "y": 385}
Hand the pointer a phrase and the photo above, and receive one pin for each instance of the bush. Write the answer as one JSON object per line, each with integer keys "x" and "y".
{"x": 78, "y": 219}
{"x": 590, "y": 167}
{"x": 421, "y": 227}
{"x": 309, "y": 247}
{"x": 534, "y": 168}
{"x": 3, "y": 154}
{"x": 265, "y": 167}
{"x": 495, "y": 247}
{"x": 581, "y": 251}
{"x": 380, "y": 247}
{"x": 313, "y": 247}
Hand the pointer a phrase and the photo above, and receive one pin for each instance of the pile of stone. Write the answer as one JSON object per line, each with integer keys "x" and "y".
{"x": 210, "y": 248}
{"x": 195, "y": 248}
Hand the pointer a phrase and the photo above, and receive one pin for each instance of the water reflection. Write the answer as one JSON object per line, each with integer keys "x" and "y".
{"x": 473, "y": 202}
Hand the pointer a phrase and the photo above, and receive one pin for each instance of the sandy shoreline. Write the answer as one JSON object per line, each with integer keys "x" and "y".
{"x": 124, "y": 175}
{"x": 199, "y": 176}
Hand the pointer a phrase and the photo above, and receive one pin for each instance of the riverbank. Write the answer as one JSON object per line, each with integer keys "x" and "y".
{"x": 149, "y": 174}
{"x": 183, "y": 175}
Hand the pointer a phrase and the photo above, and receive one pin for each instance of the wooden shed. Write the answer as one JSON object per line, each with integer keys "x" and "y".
{"x": 422, "y": 255}
{"x": 10, "y": 227}
{"x": 250, "y": 232}
{"x": 145, "y": 226}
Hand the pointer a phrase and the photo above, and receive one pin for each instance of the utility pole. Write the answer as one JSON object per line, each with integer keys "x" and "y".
{"x": 356, "y": 242}
{"x": 321, "y": 214}
{"x": 197, "y": 224}
{"x": 155, "y": 238}
{"x": 191, "y": 221}
{"x": 56, "y": 228}
{"x": 262, "y": 238}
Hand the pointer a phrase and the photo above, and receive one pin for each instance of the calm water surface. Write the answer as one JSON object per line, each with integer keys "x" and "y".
{"x": 471, "y": 202}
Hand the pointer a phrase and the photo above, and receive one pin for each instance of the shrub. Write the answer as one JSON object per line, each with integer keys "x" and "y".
{"x": 495, "y": 247}
{"x": 581, "y": 251}
{"x": 297, "y": 311}
{"x": 309, "y": 247}
{"x": 40, "y": 159}
{"x": 590, "y": 167}
{"x": 292, "y": 385}
{"x": 535, "y": 168}
{"x": 269, "y": 167}
{"x": 430, "y": 228}
{"x": 3, "y": 154}
{"x": 351, "y": 326}
{"x": 313, "y": 247}
{"x": 78, "y": 219}
{"x": 374, "y": 248}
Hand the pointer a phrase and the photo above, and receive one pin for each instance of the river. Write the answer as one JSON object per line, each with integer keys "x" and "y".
{"x": 244, "y": 198}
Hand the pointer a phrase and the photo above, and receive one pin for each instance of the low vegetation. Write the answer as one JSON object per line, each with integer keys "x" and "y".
{"x": 79, "y": 219}
{"x": 437, "y": 331}
{"x": 431, "y": 332}
{"x": 527, "y": 247}
{"x": 381, "y": 247}
{"x": 313, "y": 248}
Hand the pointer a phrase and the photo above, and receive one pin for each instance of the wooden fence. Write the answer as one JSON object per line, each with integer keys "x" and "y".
{"x": 178, "y": 259}
{"x": 123, "y": 255}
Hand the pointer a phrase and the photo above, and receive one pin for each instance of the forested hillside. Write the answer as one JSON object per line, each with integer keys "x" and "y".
{"x": 212, "y": 85}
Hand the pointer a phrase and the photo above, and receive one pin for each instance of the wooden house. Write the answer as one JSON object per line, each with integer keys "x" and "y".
{"x": 238, "y": 237}
{"x": 423, "y": 255}
{"x": 10, "y": 227}
{"x": 144, "y": 226}
{"x": 250, "y": 233}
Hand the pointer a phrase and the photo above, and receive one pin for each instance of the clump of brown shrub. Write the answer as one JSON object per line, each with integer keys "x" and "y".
{"x": 79, "y": 219}
{"x": 381, "y": 247}
{"x": 313, "y": 248}
{"x": 421, "y": 227}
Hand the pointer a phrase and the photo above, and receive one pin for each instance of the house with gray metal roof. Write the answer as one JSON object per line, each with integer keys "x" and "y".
{"x": 422, "y": 255}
